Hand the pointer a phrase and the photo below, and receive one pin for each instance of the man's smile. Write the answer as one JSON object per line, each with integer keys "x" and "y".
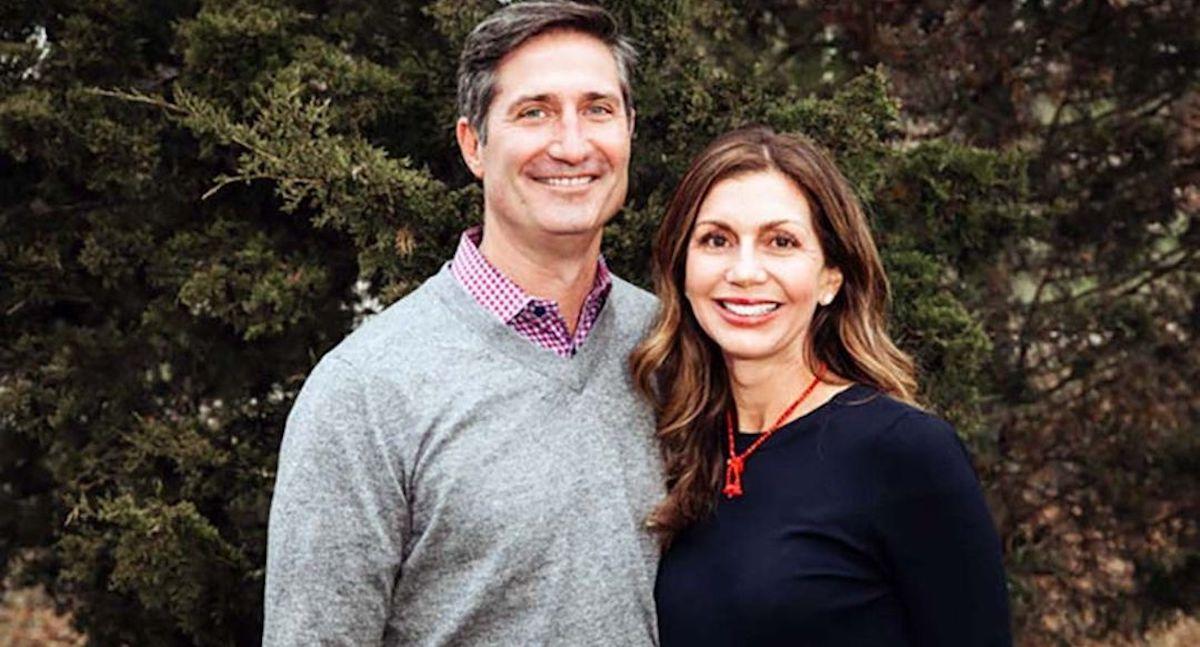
{"x": 567, "y": 180}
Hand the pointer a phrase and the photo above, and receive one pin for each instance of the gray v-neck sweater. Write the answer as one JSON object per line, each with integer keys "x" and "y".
{"x": 444, "y": 481}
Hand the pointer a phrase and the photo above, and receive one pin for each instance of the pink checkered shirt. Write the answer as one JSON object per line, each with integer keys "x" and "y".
{"x": 537, "y": 320}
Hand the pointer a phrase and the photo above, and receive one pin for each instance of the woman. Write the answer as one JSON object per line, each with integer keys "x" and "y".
{"x": 810, "y": 501}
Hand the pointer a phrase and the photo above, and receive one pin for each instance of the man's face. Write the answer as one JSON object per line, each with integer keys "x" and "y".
{"x": 556, "y": 161}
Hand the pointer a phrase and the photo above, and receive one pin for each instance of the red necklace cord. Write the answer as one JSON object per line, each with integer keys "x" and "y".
{"x": 736, "y": 464}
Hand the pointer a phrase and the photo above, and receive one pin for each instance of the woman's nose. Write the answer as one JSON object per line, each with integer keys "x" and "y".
{"x": 746, "y": 268}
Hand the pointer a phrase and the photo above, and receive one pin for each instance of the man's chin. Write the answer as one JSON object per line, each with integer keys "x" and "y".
{"x": 564, "y": 222}
{"x": 568, "y": 227}
{"x": 577, "y": 217}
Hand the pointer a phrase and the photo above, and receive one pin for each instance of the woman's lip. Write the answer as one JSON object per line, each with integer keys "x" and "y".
{"x": 744, "y": 300}
{"x": 745, "y": 321}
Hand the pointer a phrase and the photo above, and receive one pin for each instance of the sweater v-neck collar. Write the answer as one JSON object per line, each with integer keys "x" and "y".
{"x": 494, "y": 336}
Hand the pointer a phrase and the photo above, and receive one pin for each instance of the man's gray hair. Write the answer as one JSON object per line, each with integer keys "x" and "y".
{"x": 507, "y": 28}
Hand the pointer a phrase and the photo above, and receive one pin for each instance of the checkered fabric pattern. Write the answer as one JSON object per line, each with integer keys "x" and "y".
{"x": 538, "y": 320}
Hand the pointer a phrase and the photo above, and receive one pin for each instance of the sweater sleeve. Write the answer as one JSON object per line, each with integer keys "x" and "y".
{"x": 338, "y": 519}
{"x": 939, "y": 540}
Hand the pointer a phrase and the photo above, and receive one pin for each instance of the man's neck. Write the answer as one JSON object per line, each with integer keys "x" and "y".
{"x": 562, "y": 269}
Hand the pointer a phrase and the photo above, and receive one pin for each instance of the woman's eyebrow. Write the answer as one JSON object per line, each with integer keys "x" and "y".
{"x": 782, "y": 221}
{"x": 713, "y": 222}
{"x": 766, "y": 225}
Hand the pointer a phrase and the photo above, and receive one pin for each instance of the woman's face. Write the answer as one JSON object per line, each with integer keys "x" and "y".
{"x": 755, "y": 272}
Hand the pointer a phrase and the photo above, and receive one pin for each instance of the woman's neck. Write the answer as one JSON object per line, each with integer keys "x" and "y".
{"x": 764, "y": 389}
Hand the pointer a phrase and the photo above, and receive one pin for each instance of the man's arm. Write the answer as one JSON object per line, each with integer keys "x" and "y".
{"x": 338, "y": 518}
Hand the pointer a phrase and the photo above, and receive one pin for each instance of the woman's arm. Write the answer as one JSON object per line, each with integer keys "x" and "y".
{"x": 938, "y": 537}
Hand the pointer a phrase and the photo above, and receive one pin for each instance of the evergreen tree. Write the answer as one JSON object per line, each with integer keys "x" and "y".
{"x": 201, "y": 197}
{"x": 1093, "y": 315}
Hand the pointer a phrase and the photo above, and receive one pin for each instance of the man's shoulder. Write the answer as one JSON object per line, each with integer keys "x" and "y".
{"x": 403, "y": 327}
{"x": 634, "y": 294}
{"x": 635, "y": 307}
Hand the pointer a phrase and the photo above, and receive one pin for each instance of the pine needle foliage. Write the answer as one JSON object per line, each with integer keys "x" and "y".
{"x": 201, "y": 197}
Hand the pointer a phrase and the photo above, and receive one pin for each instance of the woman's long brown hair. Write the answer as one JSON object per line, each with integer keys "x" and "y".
{"x": 682, "y": 371}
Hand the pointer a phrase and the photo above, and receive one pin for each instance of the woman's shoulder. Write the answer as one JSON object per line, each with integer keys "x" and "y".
{"x": 904, "y": 442}
{"x": 869, "y": 409}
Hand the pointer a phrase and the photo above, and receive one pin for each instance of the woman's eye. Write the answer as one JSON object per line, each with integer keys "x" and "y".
{"x": 785, "y": 242}
{"x": 714, "y": 240}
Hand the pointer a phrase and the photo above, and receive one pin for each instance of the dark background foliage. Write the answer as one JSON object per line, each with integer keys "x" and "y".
{"x": 200, "y": 197}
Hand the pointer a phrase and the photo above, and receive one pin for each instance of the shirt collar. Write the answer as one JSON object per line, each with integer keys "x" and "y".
{"x": 500, "y": 295}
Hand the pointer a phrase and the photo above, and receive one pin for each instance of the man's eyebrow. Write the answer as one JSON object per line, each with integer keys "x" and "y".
{"x": 532, "y": 98}
{"x": 550, "y": 98}
{"x": 594, "y": 96}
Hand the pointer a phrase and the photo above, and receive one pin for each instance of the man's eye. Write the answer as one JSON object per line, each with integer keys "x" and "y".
{"x": 600, "y": 110}
{"x": 532, "y": 113}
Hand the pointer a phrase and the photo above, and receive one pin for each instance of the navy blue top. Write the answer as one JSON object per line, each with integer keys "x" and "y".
{"x": 862, "y": 523}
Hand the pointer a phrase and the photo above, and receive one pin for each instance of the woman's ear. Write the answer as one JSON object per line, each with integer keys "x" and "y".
{"x": 831, "y": 283}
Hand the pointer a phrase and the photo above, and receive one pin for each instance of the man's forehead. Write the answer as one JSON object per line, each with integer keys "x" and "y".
{"x": 558, "y": 65}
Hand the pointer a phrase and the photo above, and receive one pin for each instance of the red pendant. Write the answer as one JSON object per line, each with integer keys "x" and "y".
{"x": 735, "y": 464}
{"x": 733, "y": 477}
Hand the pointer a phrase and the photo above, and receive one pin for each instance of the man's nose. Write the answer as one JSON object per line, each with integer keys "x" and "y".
{"x": 570, "y": 143}
{"x": 747, "y": 267}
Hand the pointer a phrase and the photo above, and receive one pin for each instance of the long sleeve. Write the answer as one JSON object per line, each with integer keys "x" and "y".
{"x": 338, "y": 519}
{"x": 939, "y": 540}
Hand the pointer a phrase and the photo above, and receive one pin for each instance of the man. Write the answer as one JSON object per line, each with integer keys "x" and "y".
{"x": 472, "y": 465}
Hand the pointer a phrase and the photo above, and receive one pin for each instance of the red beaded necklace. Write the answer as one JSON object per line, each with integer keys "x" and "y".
{"x": 736, "y": 463}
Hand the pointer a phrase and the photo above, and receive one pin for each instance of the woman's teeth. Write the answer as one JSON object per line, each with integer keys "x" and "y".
{"x": 748, "y": 310}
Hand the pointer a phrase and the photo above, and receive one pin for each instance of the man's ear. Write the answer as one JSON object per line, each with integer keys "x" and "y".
{"x": 633, "y": 124}
{"x": 468, "y": 145}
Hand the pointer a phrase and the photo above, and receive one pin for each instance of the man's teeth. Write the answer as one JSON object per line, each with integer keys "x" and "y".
{"x": 747, "y": 310}
{"x": 566, "y": 181}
